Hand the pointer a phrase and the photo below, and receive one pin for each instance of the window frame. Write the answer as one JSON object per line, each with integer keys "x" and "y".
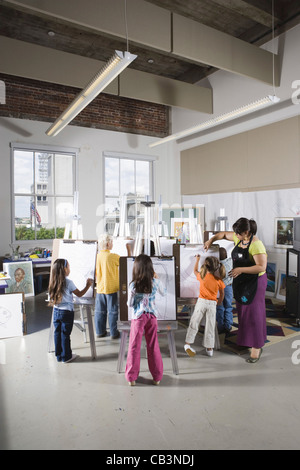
{"x": 151, "y": 159}
{"x": 14, "y": 146}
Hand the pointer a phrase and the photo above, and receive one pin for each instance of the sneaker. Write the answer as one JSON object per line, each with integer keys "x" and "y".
{"x": 132, "y": 384}
{"x": 156, "y": 382}
{"x": 189, "y": 350}
{"x": 74, "y": 356}
{"x": 116, "y": 336}
{"x": 210, "y": 352}
{"x": 102, "y": 336}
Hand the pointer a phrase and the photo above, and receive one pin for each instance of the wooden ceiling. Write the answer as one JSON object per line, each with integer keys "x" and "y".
{"x": 247, "y": 20}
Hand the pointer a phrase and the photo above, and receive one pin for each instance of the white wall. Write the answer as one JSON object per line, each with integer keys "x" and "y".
{"x": 91, "y": 144}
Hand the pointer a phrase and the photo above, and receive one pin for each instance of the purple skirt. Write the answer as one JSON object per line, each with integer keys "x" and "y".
{"x": 252, "y": 331}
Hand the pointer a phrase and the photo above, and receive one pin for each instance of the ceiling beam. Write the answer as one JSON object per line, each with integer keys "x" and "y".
{"x": 247, "y": 10}
{"x": 151, "y": 26}
{"x": 41, "y": 63}
{"x": 200, "y": 43}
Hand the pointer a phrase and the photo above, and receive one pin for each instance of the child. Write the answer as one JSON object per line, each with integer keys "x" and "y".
{"x": 224, "y": 310}
{"x": 141, "y": 297}
{"x": 210, "y": 285}
{"x": 107, "y": 278}
{"x": 60, "y": 294}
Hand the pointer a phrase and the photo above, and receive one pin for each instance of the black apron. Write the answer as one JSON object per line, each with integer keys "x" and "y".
{"x": 245, "y": 285}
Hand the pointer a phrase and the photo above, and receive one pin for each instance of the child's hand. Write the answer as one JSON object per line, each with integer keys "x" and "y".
{"x": 89, "y": 282}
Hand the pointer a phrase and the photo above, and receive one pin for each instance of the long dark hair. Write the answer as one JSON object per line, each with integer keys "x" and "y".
{"x": 57, "y": 281}
{"x": 212, "y": 265}
{"x": 142, "y": 274}
{"x": 245, "y": 225}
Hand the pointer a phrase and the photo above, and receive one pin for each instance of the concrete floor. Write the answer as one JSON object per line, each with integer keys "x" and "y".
{"x": 214, "y": 403}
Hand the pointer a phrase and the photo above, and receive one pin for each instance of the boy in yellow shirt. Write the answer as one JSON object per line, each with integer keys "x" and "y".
{"x": 107, "y": 279}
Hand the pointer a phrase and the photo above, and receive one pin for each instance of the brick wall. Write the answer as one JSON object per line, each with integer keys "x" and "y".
{"x": 42, "y": 101}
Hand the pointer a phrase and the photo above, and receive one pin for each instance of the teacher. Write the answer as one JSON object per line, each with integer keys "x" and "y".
{"x": 249, "y": 259}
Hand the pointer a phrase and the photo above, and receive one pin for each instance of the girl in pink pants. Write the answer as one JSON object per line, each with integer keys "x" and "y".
{"x": 142, "y": 291}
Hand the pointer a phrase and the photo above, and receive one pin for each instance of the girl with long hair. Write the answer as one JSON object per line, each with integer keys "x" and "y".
{"x": 142, "y": 291}
{"x": 60, "y": 292}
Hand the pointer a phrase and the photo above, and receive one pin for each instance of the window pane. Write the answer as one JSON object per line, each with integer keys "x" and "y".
{"x": 112, "y": 213}
{"x": 142, "y": 178}
{"x": 64, "y": 184}
{"x": 112, "y": 177}
{"x": 127, "y": 177}
{"x": 64, "y": 211}
{"x": 23, "y": 221}
{"x": 23, "y": 172}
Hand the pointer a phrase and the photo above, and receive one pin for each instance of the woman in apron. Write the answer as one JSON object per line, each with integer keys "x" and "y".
{"x": 249, "y": 284}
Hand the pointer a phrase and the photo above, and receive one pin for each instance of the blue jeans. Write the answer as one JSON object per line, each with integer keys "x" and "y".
{"x": 106, "y": 304}
{"x": 224, "y": 311}
{"x": 63, "y": 321}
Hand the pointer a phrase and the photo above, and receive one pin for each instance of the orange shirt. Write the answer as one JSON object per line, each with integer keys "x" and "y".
{"x": 210, "y": 286}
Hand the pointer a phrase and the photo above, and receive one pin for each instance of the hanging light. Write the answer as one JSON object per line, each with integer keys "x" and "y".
{"x": 249, "y": 108}
{"x": 118, "y": 62}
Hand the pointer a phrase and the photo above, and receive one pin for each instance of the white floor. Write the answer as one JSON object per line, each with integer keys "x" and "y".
{"x": 214, "y": 403}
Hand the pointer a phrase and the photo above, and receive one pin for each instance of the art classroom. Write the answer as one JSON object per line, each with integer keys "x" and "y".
{"x": 197, "y": 126}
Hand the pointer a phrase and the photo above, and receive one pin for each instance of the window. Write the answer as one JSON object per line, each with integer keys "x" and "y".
{"x": 131, "y": 176}
{"x": 44, "y": 181}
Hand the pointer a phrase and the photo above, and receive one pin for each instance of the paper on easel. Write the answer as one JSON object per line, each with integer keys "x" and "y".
{"x": 67, "y": 231}
{"x": 116, "y": 230}
{"x": 80, "y": 232}
{"x": 74, "y": 229}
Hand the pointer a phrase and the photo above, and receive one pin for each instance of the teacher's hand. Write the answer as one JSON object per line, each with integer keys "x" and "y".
{"x": 207, "y": 245}
{"x": 235, "y": 272}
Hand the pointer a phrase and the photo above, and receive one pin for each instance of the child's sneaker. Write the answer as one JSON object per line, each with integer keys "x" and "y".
{"x": 210, "y": 352}
{"x": 74, "y": 356}
{"x": 189, "y": 350}
{"x": 156, "y": 382}
{"x": 132, "y": 384}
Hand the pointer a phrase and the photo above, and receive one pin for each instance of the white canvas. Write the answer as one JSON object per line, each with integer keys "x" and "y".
{"x": 81, "y": 257}
{"x": 189, "y": 285}
{"x": 165, "y": 270}
{"x": 11, "y": 315}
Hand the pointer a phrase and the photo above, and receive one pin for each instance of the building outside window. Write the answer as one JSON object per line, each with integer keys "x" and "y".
{"x": 131, "y": 177}
{"x": 44, "y": 182}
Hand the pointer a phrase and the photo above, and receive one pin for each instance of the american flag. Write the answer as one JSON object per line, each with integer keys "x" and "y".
{"x": 35, "y": 213}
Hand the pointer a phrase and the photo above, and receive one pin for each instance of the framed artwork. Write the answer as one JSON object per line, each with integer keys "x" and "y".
{"x": 178, "y": 225}
{"x": 283, "y": 232}
{"x": 271, "y": 276}
{"x": 281, "y": 285}
{"x": 21, "y": 277}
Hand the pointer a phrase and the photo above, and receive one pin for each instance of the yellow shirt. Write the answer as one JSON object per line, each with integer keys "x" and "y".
{"x": 256, "y": 248}
{"x": 107, "y": 272}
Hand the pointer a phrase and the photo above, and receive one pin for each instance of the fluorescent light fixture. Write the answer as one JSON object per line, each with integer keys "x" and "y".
{"x": 118, "y": 62}
{"x": 2, "y": 93}
{"x": 249, "y": 108}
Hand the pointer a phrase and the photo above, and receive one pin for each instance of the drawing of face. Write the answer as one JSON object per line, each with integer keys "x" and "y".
{"x": 19, "y": 275}
{"x": 5, "y": 315}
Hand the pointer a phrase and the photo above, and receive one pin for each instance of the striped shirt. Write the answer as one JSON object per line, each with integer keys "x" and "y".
{"x": 107, "y": 272}
{"x": 145, "y": 302}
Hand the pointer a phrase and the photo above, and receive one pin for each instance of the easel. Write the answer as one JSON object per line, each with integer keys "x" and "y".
{"x": 84, "y": 305}
{"x": 163, "y": 327}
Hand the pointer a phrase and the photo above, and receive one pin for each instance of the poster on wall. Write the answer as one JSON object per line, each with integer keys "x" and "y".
{"x": 283, "y": 232}
{"x": 21, "y": 277}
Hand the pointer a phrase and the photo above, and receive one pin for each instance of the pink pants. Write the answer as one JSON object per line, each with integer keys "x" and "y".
{"x": 148, "y": 323}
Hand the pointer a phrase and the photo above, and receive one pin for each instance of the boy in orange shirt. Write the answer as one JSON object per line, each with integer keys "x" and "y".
{"x": 210, "y": 276}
